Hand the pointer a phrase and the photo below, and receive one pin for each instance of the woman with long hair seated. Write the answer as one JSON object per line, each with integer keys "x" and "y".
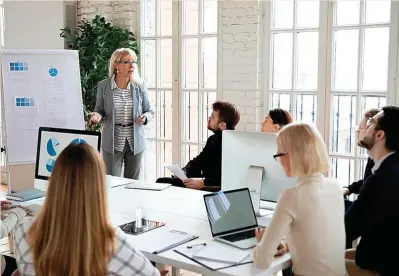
{"x": 275, "y": 120}
{"x": 310, "y": 215}
{"x": 72, "y": 234}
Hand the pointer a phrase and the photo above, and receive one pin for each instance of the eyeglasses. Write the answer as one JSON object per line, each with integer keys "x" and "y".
{"x": 125, "y": 62}
{"x": 278, "y": 155}
{"x": 370, "y": 122}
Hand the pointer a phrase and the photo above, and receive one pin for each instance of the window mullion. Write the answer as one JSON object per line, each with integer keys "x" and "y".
{"x": 325, "y": 70}
{"x": 393, "y": 89}
{"x": 177, "y": 97}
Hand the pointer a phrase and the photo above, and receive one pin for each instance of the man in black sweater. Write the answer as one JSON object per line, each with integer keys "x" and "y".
{"x": 374, "y": 216}
{"x": 204, "y": 172}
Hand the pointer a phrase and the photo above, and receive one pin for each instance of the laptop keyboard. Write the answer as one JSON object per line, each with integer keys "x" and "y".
{"x": 240, "y": 236}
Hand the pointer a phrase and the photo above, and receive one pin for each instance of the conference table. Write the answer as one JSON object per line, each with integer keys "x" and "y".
{"x": 180, "y": 209}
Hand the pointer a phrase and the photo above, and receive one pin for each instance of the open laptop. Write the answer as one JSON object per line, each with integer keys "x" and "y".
{"x": 50, "y": 143}
{"x": 232, "y": 217}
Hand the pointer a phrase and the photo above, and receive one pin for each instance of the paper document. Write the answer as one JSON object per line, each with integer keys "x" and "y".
{"x": 166, "y": 239}
{"x": 222, "y": 253}
{"x": 192, "y": 249}
{"x": 177, "y": 171}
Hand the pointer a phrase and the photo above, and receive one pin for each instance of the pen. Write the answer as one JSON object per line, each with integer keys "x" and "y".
{"x": 194, "y": 245}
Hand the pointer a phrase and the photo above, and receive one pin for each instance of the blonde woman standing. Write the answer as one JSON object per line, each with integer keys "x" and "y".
{"x": 310, "y": 215}
{"x": 123, "y": 104}
{"x": 72, "y": 234}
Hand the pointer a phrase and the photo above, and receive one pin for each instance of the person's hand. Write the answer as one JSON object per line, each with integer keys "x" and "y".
{"x": 194, "y": 183}
{"x": 5, "y": 204}
{"x": 345, "y": 191}
{"x": 95, "y": 118}
{"x": 164, "y": 272}
{"x": 140, "y": 119}
{"x": 259, "y": 233}
{"x": 282, "y": 248}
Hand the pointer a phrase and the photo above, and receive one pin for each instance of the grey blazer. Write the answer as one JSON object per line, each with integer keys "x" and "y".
{"x": 105, "y": 107}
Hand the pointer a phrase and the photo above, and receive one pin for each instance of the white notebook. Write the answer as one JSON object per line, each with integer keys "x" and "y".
{"x": 222, "y": 253}
{"x": 140, "y": 185}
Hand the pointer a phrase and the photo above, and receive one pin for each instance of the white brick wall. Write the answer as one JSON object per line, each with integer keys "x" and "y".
{"x": 241, "y": 41}
{"x": 121, "y": 13}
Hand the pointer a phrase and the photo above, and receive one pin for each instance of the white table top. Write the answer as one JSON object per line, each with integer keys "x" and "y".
{"x": 181, "y": 209}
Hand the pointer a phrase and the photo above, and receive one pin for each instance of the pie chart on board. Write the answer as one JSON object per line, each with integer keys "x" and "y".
{"x": 77, "y": 141}
{"x": 50, "y": 165}
{"x": 52, "y": 144}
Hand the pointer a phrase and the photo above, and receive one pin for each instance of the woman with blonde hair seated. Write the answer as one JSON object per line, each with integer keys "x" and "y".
{"x": 72, "y": 234}
{"x": 309, "y": 216}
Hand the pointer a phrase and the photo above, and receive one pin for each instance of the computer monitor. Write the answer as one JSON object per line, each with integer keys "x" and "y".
{"x": 244, "y": 153}
{"x": 51, "y": 142}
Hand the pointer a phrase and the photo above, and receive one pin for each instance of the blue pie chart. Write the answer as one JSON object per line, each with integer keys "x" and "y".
{"x": 53, "y": 72}
{"x": 50, "y": 165}
{"x": 78, "y": 140}
{"x": 52, "y": 143}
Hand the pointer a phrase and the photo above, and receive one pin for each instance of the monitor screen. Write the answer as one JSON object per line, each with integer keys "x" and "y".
{"x": 230, "y": 211}
{"x": 52, "y": 141}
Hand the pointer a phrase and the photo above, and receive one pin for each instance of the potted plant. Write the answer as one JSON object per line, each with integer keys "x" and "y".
{"x": 95, "y": 42}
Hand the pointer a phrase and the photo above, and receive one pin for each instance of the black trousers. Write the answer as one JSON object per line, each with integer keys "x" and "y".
{"x": 11, "y": 266}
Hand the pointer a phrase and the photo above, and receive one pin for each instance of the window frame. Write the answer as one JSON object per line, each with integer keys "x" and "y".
{"x": 178, "y": 92}
{"x": 324, "y": 92}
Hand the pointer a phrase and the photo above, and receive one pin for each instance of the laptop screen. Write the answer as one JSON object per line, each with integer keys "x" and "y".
{"x": 230, "y": 211}
{"x": 51, "y": 141}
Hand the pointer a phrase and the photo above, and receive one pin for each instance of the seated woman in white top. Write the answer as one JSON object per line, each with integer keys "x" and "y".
{"x": 309, "y": 216}
{"x": 72, "y": 233}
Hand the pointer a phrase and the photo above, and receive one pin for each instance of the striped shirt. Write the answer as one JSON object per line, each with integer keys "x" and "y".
{"x": 127, "y": 260}
{"x": 123, "y": 105}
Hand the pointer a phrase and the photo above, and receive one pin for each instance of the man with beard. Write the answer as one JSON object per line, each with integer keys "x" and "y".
{"x": 374, "y": 216}
{"x": 204, "y": 172}
{"x": 355, "y": 187}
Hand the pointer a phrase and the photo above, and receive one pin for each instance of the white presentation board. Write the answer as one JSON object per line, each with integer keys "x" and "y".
{"x": 40, "y": 88}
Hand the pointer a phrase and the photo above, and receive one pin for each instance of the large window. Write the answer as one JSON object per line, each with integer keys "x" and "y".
{"x": 179, "y": 67}
{"x": 2, "y": 155}
{"x": 329, "y": 62}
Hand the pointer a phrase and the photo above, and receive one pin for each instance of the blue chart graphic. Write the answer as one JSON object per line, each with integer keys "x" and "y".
{"x": 50, "y": 165}
{"x": 53, "y": 72}
{"x": 52, "y": 150}
{"x": 18, "y": 66}
{"x": 78, "y": 140}
{"x": 52, "y": 143}
{"x": 24, "y": 101}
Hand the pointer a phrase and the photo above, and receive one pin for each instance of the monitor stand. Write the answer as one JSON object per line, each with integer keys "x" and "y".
{"x": 254, "y": 182}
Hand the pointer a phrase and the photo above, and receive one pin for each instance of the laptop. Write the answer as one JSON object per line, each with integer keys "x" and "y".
{"x": 51, "y": 142}
{"x": 232, "y": 217}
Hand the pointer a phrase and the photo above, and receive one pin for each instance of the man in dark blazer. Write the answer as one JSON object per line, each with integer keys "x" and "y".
{"x": 374, "y": 215}
{"x": 204, "y": 171}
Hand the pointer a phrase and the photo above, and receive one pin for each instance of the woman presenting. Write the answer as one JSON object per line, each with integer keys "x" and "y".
{"x": 122, "y": 101}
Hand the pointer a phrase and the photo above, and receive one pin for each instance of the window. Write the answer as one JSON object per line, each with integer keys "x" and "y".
{"x": 294, "y": 35}
{"x": 179, "y": 67}
{"x": 329, "y": 62}
{"x": 2, "y": 155}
